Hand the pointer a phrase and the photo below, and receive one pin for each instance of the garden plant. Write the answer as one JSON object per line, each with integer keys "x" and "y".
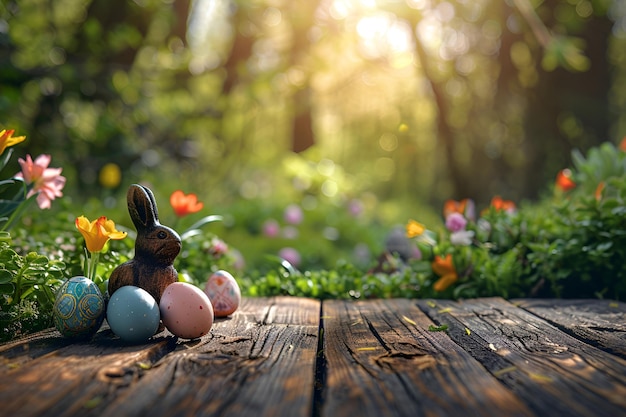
{"x": 569, "y": 243}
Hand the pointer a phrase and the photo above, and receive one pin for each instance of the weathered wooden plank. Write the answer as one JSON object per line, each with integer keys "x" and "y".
{"x": 554, "y": 373}
{"x": 24, "y": 349}
{"x": 259, "y": 361}
{"x": 75, "y": 377}
{"x": 381, "y": 359}
{"x": 601, "y": 323}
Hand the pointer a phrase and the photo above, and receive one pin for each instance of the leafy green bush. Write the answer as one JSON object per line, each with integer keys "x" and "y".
{"x": 570, "y": 244}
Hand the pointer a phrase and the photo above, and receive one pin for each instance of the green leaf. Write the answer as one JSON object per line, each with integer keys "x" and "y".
{"x": 6, "y": 276}
{"x": 193, "y": 230}
{"x": 442, "y": 328}
{"x": 5, "y": 157}
{"x": 7, "y": 288}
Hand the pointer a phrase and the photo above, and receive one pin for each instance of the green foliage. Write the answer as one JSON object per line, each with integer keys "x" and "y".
{"x": 130, "y": 83}
{"x": 344, "y": 281}
{"x": 579, "y": 247}
{"x": 27, "y": 286}
{"x": 570, "y": 244}
{"x": 565, "y": 52}
{"x": 35, "y": 259}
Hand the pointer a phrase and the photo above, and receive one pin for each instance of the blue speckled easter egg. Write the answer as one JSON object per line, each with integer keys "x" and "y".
{"x": 79, "y": 308}
{"x": 133, "y": 314}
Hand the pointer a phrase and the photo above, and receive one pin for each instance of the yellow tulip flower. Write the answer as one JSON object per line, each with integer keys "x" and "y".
{"x": 414, "y": 229}
{"x": 7, "y": 139}
{"x": 98, "y": 232}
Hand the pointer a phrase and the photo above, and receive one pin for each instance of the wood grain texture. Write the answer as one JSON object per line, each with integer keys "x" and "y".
{"x": 601, "y": 323}
{"x": 76, "y": 378}
{"x": 551, "y": 371}
{"x": 289, "y": 356}
{"x": 260, "y": 361}
{"x": 382, "y": 360}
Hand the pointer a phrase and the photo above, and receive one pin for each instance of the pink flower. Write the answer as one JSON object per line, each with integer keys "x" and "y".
{"x": 271, "y": 228}
{"x": 293, "y": 214}
{"x": 291, "y": 255}
{"x": 218, "y": 248}
{"x": 456, "y": 222}
{"x": 46, "y": 182}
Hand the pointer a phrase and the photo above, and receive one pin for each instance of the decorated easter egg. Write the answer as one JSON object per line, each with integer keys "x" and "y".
{"x": 79, "y": 308}
{"x": 186, "y": 310}
{"x": 224, "y": 293}
{"x": 133, "y": 314}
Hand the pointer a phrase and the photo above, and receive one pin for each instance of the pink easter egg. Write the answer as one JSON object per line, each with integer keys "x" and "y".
{"x": 186, "y": 310}
{"x": 224, "y": 293}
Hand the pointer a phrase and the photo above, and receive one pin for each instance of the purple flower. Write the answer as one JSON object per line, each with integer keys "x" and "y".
{"x": 271, "y": 228}
{"x": 293, "y": 214}
{"x": 455, "y": 222}
{"x": 416, "y": 253}
{"x": 290, "y": 255}
{"x": 355, "y": 207}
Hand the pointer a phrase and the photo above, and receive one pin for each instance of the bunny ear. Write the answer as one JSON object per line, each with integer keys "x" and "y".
{"x": 155, "y": 212}
{"x": 142, "y": 207}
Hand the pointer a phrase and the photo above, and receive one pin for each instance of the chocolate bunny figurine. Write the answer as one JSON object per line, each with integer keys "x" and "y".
{"x": 156, "y": 248}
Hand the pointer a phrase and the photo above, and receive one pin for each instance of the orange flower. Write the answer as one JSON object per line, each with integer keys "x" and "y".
{"x": 453, "y": 206}
{"x": 465, "y": 207}
{"x": 564, "y": 180}
{"x": 185, "y": 204}
{"x": 502, "y": 205}
{"x": 445, "y": 269}
{"x": 599, "y": 190}
{"x": 622, "y": 144}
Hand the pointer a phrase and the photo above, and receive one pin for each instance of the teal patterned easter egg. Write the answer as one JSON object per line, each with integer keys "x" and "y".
{"x": 79, "y": 308}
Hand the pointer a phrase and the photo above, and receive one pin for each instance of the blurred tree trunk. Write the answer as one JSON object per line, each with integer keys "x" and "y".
{"x": 507, "y": 180}
{"x": 302, "y": 18}
{"x": 181, "y": 9}
{"x": 302, "y": 135}
{"x": 461, "y": 186}
{"x": 240, "y": 53}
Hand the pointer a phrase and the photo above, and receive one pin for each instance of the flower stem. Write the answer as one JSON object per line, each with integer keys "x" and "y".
{"x": 93, "y": 265}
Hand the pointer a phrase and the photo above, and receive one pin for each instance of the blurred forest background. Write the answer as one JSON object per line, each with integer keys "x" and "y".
{"x": 383, "y": 107}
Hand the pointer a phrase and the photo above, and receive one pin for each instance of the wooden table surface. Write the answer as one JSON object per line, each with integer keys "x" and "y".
{"x": 289, "y": 356}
